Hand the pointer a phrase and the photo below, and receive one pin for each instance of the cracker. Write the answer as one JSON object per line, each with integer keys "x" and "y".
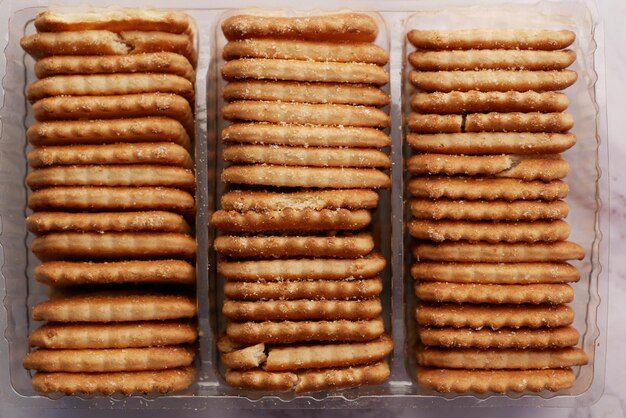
{"x": 303, "y": 269}
{"x": 497, "y": 273}
{"x": 161, "y": 153}
{"x": 112, "y": 175}
{"x": 258, "y": 379}
{"x": 492, "y": 59}
{"x": 113, "y": 245}
{"x": 351, "y": 246}
{"x": 143, "y": 42}
{"x": 498, "y": 381}
{"x": 528, "y": 168}
{"x": 116, "y": 107}
{"x": 491, "y": 38}
{"x": 477, "y": 210}
{"x": 304, "y": 289}
{"x": 244, "y": 358}
{"x": 355, "y": 27}
{"x": 492, "y": 80}
{"x": 114, "y": 20}
{"x": 494, "y": 293}
{"x": 109, "y": 359}
{"x": 284, "y": 332}
{"x": 493, "y": 316}
{"x": 322, "y": 177}
{"x": 112, "y": 198}
{"x": 503, "y": 338}
{"x": 492, "y": 232}
{"x": 485, "y": 359}
{"x": 499, "y": 253}
{"x": 313, "y": 71}
{"x": 459, "y": 188}
{"x": 306, "y": 113}
{"x": 65, "y": 273}
{"x": 306, "y": 50}
{"x": 314, "y": 136}
{"x": 155, "y": 221}
{"x": 88, "y": 42}
{"x": 333, "y": 379}
{"x": 246, "y": 200}
{"x": 291, "y": 220}
{"x": 288, "y": 91}
{"x": 156, "y": 62}
{"x": 110, "y": 131}
{"x": 127, "y": 383}
{"x": 117, "y": 306}
{"x": 328, "y": 355}
{"x": 306, "y": 156}
{"x": 301, "y": 309}
{"x": 490, "y": 101}
{"x": 492, "y": 142}
{"x": 109, "y": 84}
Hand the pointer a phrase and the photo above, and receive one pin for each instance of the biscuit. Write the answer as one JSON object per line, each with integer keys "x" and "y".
{"x": 494, "y": 293}
{"x": 112, "y": 198}
{"x": 156, "y": 62}
{"x": 109, "y": 360}
{"x": 460, "y": 188}
{"x": 493, "y": 316}
{"x": 116, "y": 306}
{"x": 312, "y": 71}
{"x": 303, "y": 269}
{"x": 354, "y": 27}
{"x": 246, "y": 200}
{"x": 498, "y": 381}
{"x": 244, "y": 358}
{"x": 528, "y": 168}
{"x": 116, "y": 107}
{"x": 155, "y": 221}
{"x": 541, "y": 39}
{"x": 491, "y": 232}
{"x": 65, "y": 273}
{"x": 491, "y": 59}
{"x": 306, "y": 113}
{"x": 503, "y": 338}
{"x": 113, "y": 245}
{"x": 306, "y": 156}
{"x": 301, "y": 309}
{"x": 492, "y": 142}
{"x": 499, "y": 253}
{"x": 350, "y": 246}
{"x": 261, "y": 380}
{"x": 226, "y": 345}
{"x": 434, "y": 124}
{"x": 479, "y": 210}
{"x": 112, "y": 175}
{"x": 109, "y": 84}
{"x": 304, "y": 289}
{"x": 161, "y": 153}
{"x": 492, "y": 80}
{"x": 486, "y": 359}
{"x": 329, "y": 355}
{"x": 490, "y": 101}
{"x": 127, "y": 383}
{"x": 288, "y": 91}
{"x": 291, "y": 220}
{"x": 497, "y": 273}
{"x": 109, "y": 131}
{"x": 322, "y": 177}
{"x": 305, "y": 50}
{"x": 333, "y": 379}
{"x": 143, "y": 42}
{"x": 313, "y": 136}
{"x": 284, "y": 332}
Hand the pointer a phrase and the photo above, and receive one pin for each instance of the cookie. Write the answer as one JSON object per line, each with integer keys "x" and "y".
{"x": 244, "y": 358}
{"x": 333, "y": 379}
{"x": 491, "y": 122}
{"x": 478, "y": 210}
{"x": 290, "y": 310}
{"x": 553, "y": 294}
{"x": 491, "y": 38}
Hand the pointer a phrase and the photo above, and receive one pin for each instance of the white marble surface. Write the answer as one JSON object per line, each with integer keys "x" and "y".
{"x": 613, "y": 403}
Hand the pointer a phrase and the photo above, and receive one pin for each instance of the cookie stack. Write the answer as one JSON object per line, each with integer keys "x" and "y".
{"x": 112, "y": 197}
{"x": 487, "y": 125}
{"x": 302, "y": 286}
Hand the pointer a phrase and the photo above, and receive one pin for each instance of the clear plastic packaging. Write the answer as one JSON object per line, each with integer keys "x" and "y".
{"x": 588, "y": 182}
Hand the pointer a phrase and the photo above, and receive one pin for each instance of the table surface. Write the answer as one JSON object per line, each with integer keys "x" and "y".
{"x": 613, "y": 403}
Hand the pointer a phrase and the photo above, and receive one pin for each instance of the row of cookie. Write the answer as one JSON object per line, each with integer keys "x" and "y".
{"x": 492, "y": 310}
{"x": 302, "y": 278}
{"x": 113, "y": 187}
